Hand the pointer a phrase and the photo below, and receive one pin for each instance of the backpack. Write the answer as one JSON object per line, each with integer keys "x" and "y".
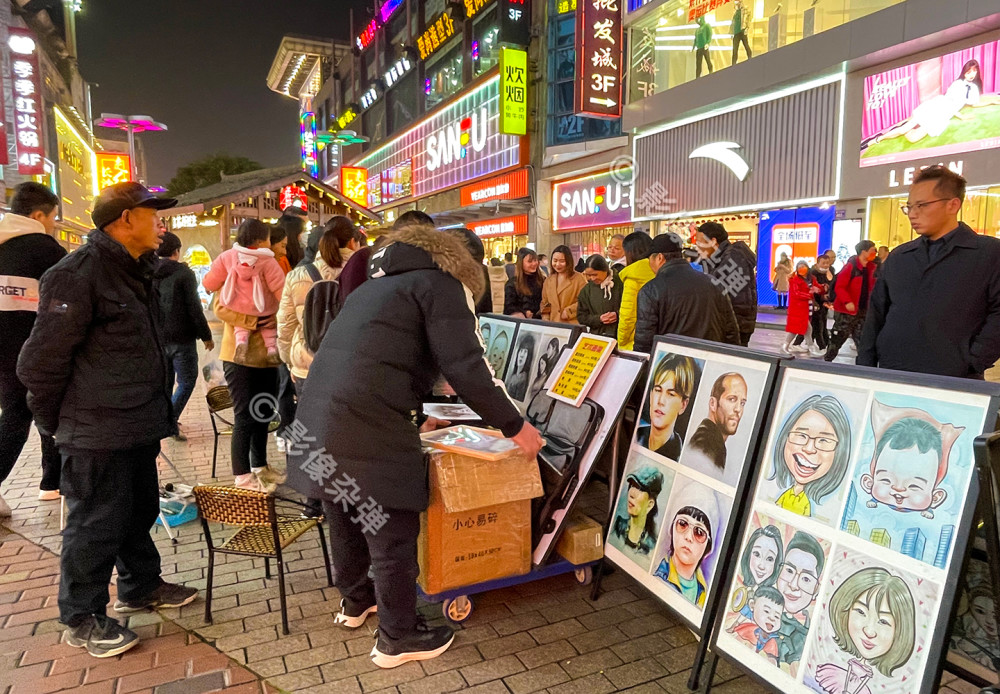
{"x": 320, "y": 309}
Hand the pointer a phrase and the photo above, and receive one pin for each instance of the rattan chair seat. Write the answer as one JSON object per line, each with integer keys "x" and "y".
{"x": 259, "y": 540}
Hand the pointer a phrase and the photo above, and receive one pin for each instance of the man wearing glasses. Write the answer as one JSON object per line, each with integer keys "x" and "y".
{"x": 798, "y": 582}
{"x": 936, "y": 306}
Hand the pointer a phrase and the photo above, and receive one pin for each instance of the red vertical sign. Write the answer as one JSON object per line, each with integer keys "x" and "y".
{"x": 28, "y": 129}
{"x": 599, "y": 58}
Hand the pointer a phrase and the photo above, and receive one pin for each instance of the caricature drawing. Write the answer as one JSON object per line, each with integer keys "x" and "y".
{"x": 811, "y": 453}
{"x": 759, "y": 565}
{"x": 873, "y": 618}
{"x": 798, "y": 582}
{"x": 910, "y": 459}
{"x": 497, "y": 356}
{"x": 761, "y": 632}
{"x": 975, "y": 634}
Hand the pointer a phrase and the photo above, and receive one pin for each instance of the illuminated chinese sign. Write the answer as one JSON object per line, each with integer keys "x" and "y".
{"x": 598, "y": 59}
{"x": 515, "y": 22}
{"x": 112, "y": 168}
{"x": 368, "y": 35}
{"x": 370, "y": 97}
{"x": 310, "y": 161}
{"x": 600, "y": 200}
{"x": 347, "y": 117}
{"x": 435, "y": 35}
{"x": 354, "y": 183}
{"x": 386, "y": 11}
{"x": 397, "y": 71}
{"x": 28, "y": 128}
{"x": 292, "y": 196}
{"x": 77, "y": 172}
{"x": 699, "y": 8}
{"x": 564, "y": 6}
{"x": 509, "y": 186}
{"x": 504, "y": 226}
{"x": 472, "y": 7}
{"x": 513, "y": 91}
{"x": 457, "y": 144}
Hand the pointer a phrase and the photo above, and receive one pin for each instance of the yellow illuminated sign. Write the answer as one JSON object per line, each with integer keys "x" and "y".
{"x": 513, "y": 91}
{"x": 77, "y": 172}
{"x": 112, "y": 168}
{"x": 436, "y": 34}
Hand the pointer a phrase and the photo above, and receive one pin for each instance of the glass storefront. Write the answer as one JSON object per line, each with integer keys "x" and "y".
{"x": 443, "y": 74}
{"x": 589, "y": 241}
{"x": 888, "y": 226}
{"x": 497, "y": 246}
{"x": 485, "y": 42}
{"x": 672, "y": 45}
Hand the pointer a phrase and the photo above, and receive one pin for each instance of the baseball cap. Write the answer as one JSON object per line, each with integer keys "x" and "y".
{"x": 666, "y": 243}
{"x": 115, "y": 199}
{"x": 647, "y": 479}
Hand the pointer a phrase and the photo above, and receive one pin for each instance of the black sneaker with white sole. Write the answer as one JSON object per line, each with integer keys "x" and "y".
{"x": 352, "y": 616}
{"x": 423, "y": 643}
{"x": 102, "y": 636}
{"x": 166, "y": 595}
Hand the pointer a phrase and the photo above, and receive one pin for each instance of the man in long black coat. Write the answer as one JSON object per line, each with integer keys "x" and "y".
{"x": 355, "y": 444}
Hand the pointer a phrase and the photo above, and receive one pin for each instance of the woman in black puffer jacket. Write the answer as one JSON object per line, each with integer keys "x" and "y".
{"x": 523, "y": 293}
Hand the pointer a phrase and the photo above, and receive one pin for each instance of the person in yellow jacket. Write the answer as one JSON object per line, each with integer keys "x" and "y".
{"x": 634, "y": 276}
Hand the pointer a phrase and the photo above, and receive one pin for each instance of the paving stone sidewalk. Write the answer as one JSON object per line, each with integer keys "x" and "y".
{"x": 545, "y": 636}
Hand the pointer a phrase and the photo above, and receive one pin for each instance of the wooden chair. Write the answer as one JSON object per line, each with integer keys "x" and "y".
{"x": 262, "y": 533}
{"x": 220, "y": 400}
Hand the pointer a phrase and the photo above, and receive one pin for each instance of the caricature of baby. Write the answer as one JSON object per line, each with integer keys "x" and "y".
{"x": 910, "y": 459}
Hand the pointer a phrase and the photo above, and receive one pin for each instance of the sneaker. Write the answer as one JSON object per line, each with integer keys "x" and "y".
{"x": 180, "y": 435}
{"x": 166, "y": 595}
{"x": 268, "y": 478}
{"x": 280, "y": 443}
{"x": 313, "y": 509}
{"x": 786, "y": 348}
{"x": 798, "y": 349}
{"x": 102, "y": 636}
{"x": 817, "y": 352}
{"x": 4, "y": 508}
{"x": 423, "y": 644}
{"x": 48, "y": 494}
{"x": 353, "y": 618}
{"x": 249, "y": 481}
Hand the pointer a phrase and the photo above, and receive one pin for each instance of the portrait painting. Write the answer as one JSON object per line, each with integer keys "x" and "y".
{"x": 498, "y": 341}
{"x": 666, "y": 410}
{"x": 533, "y": 358}
{"x": 639, "y": 513}
{"x": 975, "y": 639}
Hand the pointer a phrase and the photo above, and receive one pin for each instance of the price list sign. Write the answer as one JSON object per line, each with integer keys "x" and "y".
{"x": 573, "y": 381}
{"x": 599, "y": 52}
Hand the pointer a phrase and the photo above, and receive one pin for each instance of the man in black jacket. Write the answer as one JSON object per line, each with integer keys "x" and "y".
{"x": 732, "y": 266}
{"x": 27, "y": 250}
{"x": 97, "y": 379}
{"x": 681, "y": 301}
{"x": 183, "y": 322}
{"x": 936, "y": 306}
{"x": 355, "y": 443}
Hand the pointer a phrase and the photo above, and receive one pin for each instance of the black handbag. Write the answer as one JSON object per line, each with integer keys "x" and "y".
{"x": 567, "y": 431}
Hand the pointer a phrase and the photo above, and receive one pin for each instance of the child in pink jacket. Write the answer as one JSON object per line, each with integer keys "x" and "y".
{"x": 251, "y": 281}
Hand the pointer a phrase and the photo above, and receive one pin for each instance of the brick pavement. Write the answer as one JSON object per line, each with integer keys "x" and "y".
{"x": 546, "y": 636}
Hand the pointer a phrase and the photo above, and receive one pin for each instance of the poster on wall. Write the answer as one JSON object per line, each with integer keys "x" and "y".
{"x": 864, "y": 498}
{"x": 939, "y": 107}
{"x": 796, "y": 234}
{"x": 535, "y": 352}
{"x": 690, "y": 457}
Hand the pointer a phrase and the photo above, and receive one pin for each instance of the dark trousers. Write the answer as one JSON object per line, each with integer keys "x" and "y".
{"x": 844, "y": 326}
{"x": 745, "y": 338}
{"x": 782, "y": 299}
{"x": 821, "y": 334}
{"x": 702, "y": 54}
{"x": 741, "y": 38}
{"x": 391, "y": 552}
{"x": 15, "y": 424}
{"x": 183, "y": 360}
{"x": 255, "y": 393}
{"x": 112, "y": 500}
{"x": 286, "y": 398}
{"x": 313, "y": 506}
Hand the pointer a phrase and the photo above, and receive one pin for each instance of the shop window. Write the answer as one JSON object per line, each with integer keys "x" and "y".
{"x": 443, "y": 75}
{"x": 485, "y": 42}
{"x": 888, "y": 226}
{"x": 371, "y": 66}
{"x": 397, "y": 24}
{"x": 664, "y": 45}
{"x": 373, "y": 122}
{"x": 563, "y": 126}
{"x": 432, "y": 8}
{"x": 402, "y": 102}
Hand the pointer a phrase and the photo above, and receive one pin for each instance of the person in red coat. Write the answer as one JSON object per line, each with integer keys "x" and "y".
{"x": 800, "y": 292}
{"x": 851, "y": 290}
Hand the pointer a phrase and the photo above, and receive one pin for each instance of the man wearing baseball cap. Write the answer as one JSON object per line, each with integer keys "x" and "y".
{"x": 637, "y": 530}
{"x": 97, "y": 379}
{"x": 681, "y": 301}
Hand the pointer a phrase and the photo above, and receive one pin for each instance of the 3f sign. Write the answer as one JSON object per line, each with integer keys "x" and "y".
{"x": 515, "y": 14}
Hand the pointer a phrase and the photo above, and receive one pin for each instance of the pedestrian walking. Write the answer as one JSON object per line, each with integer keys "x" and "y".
{"x": 286, "y": 389}
{"x": 372, "y": 371}
{"x": 27, "y": 250}
{"x": 936, "y": 306}
{"x": 561, "y": 289}
{"x": 600, "y": 300}
{"x": 734, "y": 268}
{"x": 822, "y": 279}
{"x": 634, "y": 276}
{"x": 800, "y": 294}
{"x": 851, "y": 291}
{"x": 523, "y": 292}
{"x": 95, "y": 370}
{"x": 294, "y": 226}
{"x": 782, "y": 271}
{"x": 681, "y": 301}
{"x": 508, "y": 265}
{"x": 183, "y": 323}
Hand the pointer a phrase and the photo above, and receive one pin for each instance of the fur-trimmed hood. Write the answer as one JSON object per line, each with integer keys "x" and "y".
{"x": 422, "y": 247}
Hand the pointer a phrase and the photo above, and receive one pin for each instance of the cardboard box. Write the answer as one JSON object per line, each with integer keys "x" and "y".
{"x": 582, "y": 540}
{"x": 478, "y": 524}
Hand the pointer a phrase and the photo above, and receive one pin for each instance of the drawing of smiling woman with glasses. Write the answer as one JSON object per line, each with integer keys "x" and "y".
{"x": 811, "y": 453}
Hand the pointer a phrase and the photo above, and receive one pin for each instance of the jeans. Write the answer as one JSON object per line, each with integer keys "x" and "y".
{"x": 737, "y": 39}
{"x": 702, "y": 54}
{"x": 183, "y": 360}
{"x": 255, "y": 396}
{"x": 391, "y": 552}
{"x": 112, "y": 500}
{"x": 15, "y": 424}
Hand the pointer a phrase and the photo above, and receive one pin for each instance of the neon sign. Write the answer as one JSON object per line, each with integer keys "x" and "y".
{"x": 347, "y": 117}
{"x": 28, "y": 127}
{"x": 112, "y": 168}
{"x": 369, "y": 97}
{"x": 310, "y": 159}
{"x": 386, "y": 11}
{"x": 435, "y": 35}
{"x": 293, "y": 196}
{"x": 354, "y": 183}
{"x": 515, "y": 22}
{"x": 472, "y": 7}
{"x": 397, "y": 71}
{"x": 598, "y": 89}
{"x": 599, "y": 200}
{"x": 366, "y": 37}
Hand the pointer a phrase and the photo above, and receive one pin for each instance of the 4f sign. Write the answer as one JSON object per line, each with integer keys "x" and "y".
{"x": 513, "y": 91}
{"x": 725, "y": 153}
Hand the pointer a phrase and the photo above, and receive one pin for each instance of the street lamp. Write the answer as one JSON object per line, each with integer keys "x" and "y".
{"x": 131, "y": 125}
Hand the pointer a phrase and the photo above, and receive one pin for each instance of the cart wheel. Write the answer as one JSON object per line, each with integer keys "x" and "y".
{"x": 584, "y": 575}
{"x": 457, "y": 610}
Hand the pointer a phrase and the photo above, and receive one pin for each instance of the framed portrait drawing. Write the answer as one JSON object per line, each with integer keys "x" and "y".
{"x": 857, "y": 529}
{"x": 688, "y": 468}
{"x": 533, "y": 356}
{"x": 498, "y": 333}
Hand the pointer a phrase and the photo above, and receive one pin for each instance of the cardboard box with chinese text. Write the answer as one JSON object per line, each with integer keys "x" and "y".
{"x": 581, "y": 541}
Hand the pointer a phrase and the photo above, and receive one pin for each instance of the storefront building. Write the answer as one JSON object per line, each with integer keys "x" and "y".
{"x": 588, "y": 210}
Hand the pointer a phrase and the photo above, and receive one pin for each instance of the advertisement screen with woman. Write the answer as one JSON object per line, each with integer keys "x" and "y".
{"x": 935, "y": 108}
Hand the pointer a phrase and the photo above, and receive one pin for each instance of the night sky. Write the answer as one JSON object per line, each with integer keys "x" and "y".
{"x": 200, "y": 67}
